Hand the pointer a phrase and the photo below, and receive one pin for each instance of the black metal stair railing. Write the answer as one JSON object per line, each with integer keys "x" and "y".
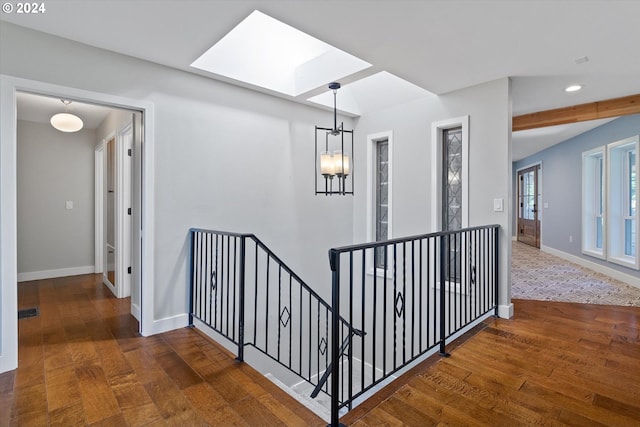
{"x": 244, "y": 292}
{"x": 384, "y": 314}
{"x": 425, "y": 289}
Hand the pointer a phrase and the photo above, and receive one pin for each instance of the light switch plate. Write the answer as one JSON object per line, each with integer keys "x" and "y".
{"x": 68, "y": 204}
{"x": 498, "y": 205}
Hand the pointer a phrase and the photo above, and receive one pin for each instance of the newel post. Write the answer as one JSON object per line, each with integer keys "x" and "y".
{"x": 334, "y": 261}
{"x": 240, "y": 357}
{"x": 444, "y": 266}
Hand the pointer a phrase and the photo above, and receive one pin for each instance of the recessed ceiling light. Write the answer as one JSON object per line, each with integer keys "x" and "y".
{"x": 573, "y": 88}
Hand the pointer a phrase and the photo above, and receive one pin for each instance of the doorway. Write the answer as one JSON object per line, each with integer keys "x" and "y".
{"x": 529, "y": 205}
{"x": 55, "y": 165}
{"x": 142, "y": 214}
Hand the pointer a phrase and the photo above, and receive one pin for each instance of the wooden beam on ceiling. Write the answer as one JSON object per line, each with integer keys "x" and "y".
{"x": 578, "y": 113}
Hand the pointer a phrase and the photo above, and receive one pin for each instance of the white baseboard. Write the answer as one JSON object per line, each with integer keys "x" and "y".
{"x": 615, "y": 274}
{"x": 135, "y": 311}
{"x": 505, "y": 311}
{"x": 169, "y": 323}
{"x": 9, "y": 360}
{"x": 51, "y": 274}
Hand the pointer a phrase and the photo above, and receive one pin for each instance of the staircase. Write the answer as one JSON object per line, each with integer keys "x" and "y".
{"x": 431, "y": 288}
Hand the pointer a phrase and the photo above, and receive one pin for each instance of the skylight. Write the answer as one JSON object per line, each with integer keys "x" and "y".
{"x": 265, "y": 52}
{"x": 371, "y": 93}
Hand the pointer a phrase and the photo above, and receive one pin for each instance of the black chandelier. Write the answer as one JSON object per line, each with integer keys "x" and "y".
{"x": 334, "y": 156}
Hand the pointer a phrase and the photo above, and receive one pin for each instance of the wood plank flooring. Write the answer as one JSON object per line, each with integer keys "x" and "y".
{"x": 82, "y": 363}
{"x": 554, "y": 364}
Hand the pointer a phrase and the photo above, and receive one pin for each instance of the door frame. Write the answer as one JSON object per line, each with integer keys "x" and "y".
{"x": 538, "y": 199}
{"x": 9, "y": 85}
{"x": 102, "y": 215}
{"x": 98, "y": 207}
{"x": 124, "y": 199}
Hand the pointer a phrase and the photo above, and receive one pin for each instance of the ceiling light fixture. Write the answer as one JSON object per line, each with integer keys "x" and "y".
{"x": 573, "y": 88}
{"x": 334, "y": 158}
{"x": 66, "y": 122}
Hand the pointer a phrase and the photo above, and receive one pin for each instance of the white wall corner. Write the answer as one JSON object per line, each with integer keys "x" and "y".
{"x": 505, "y": 311}
{"x": 135, "y": 311}
{"x": 168, "y": 324}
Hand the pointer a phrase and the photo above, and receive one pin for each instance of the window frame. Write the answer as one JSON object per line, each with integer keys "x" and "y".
{"x": 372, "y": 162}
{"x": 594, "y": 163}
{"x": 618, "y": 201}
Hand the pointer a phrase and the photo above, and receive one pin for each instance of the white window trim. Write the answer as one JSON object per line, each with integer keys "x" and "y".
{"x": 620, "y": 259}
{"x": 436, "y": 169}
{"x": 371, "y": 158}
{"x": 586, "y": 188}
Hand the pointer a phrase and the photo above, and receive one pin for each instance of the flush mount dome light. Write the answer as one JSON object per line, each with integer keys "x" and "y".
{"x": 66, "y": 122}
{"x": 573, "y": 88}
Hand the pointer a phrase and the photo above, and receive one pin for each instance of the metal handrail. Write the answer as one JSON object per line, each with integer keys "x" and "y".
{"x": 481, "y": 248}
{"x": 221, "y": 280}
{"x": 204, "y": 299}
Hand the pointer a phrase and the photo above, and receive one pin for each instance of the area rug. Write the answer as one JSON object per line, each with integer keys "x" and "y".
{"x": 541, "y": 276}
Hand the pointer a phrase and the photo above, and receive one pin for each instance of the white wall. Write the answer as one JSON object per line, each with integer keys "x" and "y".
{"x": 54, "y": 167}
{"x": 488, "y": 108}
{"x": 225, "y": 158}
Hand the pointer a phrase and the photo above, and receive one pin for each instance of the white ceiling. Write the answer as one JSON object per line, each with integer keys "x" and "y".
{"x": 439, "y": 46}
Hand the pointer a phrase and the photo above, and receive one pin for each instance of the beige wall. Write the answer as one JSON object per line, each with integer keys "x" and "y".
{"x": 55, "y": 167}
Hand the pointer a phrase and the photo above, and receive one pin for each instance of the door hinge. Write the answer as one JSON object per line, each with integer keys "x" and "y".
{"x": 129, "y": 152}
{"x": 129, "y": 270}
{"x": 129, "y": 211}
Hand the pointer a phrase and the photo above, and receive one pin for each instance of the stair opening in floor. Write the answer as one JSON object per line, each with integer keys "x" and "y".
{"x": 424, "y": 292}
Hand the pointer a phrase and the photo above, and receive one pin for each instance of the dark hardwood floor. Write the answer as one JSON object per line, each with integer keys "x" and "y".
{"x": 554, "y": 364}
{"x": 82, "y": 363}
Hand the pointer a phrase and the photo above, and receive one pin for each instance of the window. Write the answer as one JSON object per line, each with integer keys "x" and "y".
{"x": 452, "y": 197}
{"x": 382, "y": 197}
{"x": 593, "y": 176}
{"x": 622, "y": 223}
{"x": 609, "y": 203}
{"x": 379, "y": 210}
{"x": 440, "y": 218}
{"x": 630, "y": 204}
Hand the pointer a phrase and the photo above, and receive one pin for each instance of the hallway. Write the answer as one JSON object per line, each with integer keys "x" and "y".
{"x": 539, "y": 275}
